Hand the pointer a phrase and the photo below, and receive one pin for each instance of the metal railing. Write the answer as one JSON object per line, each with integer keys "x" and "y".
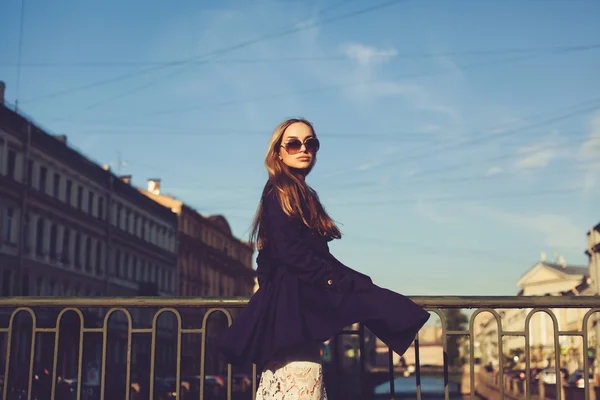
{"x": 20, "y": 334}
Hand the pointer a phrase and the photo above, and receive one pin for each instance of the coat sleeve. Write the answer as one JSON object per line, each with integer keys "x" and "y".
{"x": 288, "y": 246}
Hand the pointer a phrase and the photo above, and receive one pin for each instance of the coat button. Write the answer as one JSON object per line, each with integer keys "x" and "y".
{"x": 330, "y": 282}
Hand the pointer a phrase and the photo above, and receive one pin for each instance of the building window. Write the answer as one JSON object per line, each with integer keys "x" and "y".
{"x": 101, "y": 208}
{"x": 136, "y": 222}
{"x": 25, "y": 233}
{"x": 134, "y": 267}
{"x": 88, "y": 254}
{"x": 80, "y": 197}
{"x": 143, "y": 232}
{"x": 53, "y": 244}
{"x": 68, "y": 191}
{"x": 78, "y": 250}
{"x": 7, "y": 224}
{"x": 65, "y": 246}
{"x": 30, "y": 172}
{"x": 118, "y": 263}
{"x": 39, "y": 238}
{"x": 90, "y": 203}
{"x": 56, "y": 185}
{"x": 42, "y": 182}
{"x": 25, "y": 284}
{"x": 6, "y": 283}
{"x": 39, "y": 286}
{"x": 127, "y": 225}
{"x": 126, "y": 269}
{"x": 118, "y": 216}
{"x": 99, "y": 257}
{"x": 12, "y": 164}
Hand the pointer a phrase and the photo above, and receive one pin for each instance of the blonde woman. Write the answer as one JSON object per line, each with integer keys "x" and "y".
{"x": 305, "y": 294}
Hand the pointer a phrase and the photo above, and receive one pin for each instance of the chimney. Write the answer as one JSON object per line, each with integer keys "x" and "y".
{"x": 154, "y": 186}
{"x": 563, "y": 262}
{"x": 126, "y": 179}
{"x": 2, "y": 90}
{"x": 543, "y": 256}
{"x": 106, "y": 167}
{"x": 61, "y": 138}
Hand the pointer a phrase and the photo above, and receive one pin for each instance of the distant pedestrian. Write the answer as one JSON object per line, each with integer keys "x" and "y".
{"x": 305, "y": 294}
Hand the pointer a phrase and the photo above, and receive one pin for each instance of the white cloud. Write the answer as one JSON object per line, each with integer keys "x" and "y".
{"x": 556, "y": 231}
{"x": 494, "y": 171}
{"x": 429, "y": 128}
{"x": 427, "y": 211}
{"x": 366, "y": 55}
{"x": 536, "y": 156}
{"x": 385, "y": 180}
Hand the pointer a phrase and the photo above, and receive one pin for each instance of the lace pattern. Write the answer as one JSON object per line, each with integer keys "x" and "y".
{"x": 298, "y": 376}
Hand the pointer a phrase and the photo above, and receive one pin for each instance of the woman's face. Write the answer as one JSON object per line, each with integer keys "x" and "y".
{"x": 299, "y": 146}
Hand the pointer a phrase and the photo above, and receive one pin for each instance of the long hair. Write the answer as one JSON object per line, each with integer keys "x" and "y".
{"x": 295, "y": 196}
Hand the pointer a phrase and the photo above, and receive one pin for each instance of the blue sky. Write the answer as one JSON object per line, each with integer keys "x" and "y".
{"x": 459, "y": 138}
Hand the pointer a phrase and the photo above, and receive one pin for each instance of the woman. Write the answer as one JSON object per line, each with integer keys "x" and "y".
{"x": 305, "y": 294}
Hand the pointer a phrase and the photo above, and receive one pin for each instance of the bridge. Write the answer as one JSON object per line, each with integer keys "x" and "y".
{"x": 113, "y": 348}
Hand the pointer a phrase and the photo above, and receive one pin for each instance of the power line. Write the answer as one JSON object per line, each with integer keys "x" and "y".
{"x": 205, "y": 57}
{"x": 595, "y": 105}
{"x": 234, "y": 102}
{"x": 441, "y": 199}
{"x": 19, "y": 54}
{"x": 501, "y": 157}
{"x": 340, "y": 58}
{"x": 459, "y": 252}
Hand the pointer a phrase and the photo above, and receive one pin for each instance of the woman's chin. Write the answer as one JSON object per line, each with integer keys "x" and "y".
{"x": 301, "y": 169}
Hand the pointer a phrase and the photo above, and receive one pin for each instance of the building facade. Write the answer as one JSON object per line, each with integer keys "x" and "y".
{"x": 556, "y": 278}
{"x": 593, "y": 253}
{"x": 69, "y": 227}
{"x": 212, "y": 263}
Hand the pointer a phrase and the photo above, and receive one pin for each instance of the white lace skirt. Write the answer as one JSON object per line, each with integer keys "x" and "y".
{"x": 297, "y": 375}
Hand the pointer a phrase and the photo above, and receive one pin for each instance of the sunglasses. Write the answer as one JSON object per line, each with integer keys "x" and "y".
{"x": 294, "y": 146}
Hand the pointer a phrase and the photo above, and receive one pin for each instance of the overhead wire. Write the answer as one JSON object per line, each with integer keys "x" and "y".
{"x": 205, "y": 58}
{"x": 19, "y": 55}
{"x": 585, "y": 107}
{"x": 406, "y": 55}
{"x": 313, "y": 90}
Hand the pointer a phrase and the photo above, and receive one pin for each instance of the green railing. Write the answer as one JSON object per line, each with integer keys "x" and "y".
{"x": 179, "y": 331}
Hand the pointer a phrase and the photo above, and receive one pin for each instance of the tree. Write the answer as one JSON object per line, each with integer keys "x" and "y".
{"x": 455, "y": 321}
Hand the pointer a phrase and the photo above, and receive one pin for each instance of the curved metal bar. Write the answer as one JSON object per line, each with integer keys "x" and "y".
{"x": 498, "y": 319}
{"x": 586, "y": 361}
{"x": 153, "y": 350}
{"x": 9, "y": 347}
{"x": 472, "y": 345}
{"x": 104, "y": 356}
{"x": 444, "y": 323}
{"x": 203, "y": 350}
{"x": 56, "y": 340}
{"x": 550, "y": 313}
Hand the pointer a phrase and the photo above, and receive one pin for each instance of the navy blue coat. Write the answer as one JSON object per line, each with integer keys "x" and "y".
{"x": 306, "y": 295}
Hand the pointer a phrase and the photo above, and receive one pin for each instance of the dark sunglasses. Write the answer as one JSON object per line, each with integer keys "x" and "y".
{"x": 294, "y": 146}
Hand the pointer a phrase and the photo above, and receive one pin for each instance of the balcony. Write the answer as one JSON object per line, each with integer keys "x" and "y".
{"x": 162, "y": 348}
